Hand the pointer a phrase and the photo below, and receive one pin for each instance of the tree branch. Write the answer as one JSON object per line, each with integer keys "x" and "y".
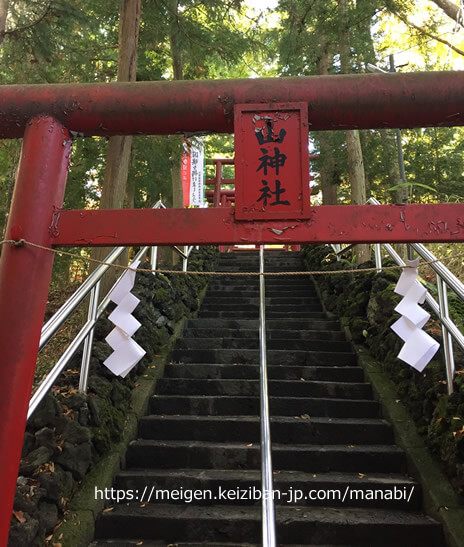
{"x": 429, "y": 34}
{"x": 451, "y": 10}
{"x": 29, "y": 25}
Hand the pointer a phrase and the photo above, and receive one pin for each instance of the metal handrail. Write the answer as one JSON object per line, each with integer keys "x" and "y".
{"x": 55, "y": 322}
{"x": 90, "y": 285}
{"x": 267, "y": 499}
{"x": 445, "y": 279}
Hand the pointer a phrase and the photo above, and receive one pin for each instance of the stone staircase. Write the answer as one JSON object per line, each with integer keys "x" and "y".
{"x": 201, "y": 437}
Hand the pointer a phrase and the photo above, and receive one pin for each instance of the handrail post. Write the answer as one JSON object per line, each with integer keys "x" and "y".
{"x": 447, "y": 341}
{"x": 411, "y": 255}
{"x": 378, "y": 257}
{"x": 267, "y": 499}
{"x": 88, "y": 342}
{"x": 154, "y": 258}
{"x": 185, "y": 260}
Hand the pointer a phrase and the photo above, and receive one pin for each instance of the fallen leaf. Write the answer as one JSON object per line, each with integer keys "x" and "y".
{"x": 251, "y": 444}
{"x": 351, "y": 446}
{"x": 137, "y": 384}
{"x": 144, "y": 504}
{"x": 305, "y": 416}
{"x": 361, "y": 475}
{"x": 276, "y": 472}
{"x": 19, "y": 516}
{"x": 302, "y": 379}
{"x": 459, "y": 433}
{"x": 139, "y": 543}
{"x": 108, "y": 509}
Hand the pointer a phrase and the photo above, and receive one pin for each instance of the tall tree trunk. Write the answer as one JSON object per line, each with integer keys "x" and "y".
{"x": 119, "y": 148}
{"x": 390, "y": 158}
{"x": 353, "y": 143}
{"x": 327, "y": 160}
{"x": 4, "y": 4}
{"x": 178, "y": 74}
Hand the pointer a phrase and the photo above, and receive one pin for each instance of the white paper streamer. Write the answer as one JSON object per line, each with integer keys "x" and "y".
{"x": 126, "y": 352}
{"x": 419, "y": 348}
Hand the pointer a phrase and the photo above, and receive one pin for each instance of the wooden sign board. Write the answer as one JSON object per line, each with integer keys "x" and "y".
{"x": 271, "y": 161}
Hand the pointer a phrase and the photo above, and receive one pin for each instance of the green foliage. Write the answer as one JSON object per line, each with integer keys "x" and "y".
{"x": 77, "y": 41}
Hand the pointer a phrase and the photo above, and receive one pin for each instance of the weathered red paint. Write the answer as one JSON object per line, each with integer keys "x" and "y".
{"x": 271, "y": 161}
{"x": 217, "y": 225}
{"x": 24, "y": 279}
{"x": 334, "y": 102}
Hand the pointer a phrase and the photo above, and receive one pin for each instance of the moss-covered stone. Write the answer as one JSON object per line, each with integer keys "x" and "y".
{"x": 366, "y": 302}
{"x": 73, "y": 432}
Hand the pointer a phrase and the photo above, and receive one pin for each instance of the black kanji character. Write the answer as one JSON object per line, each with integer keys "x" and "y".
{"x": 275, "y": 162}
{"x": 270, "y": 136}
{"x": 267, "y": 193}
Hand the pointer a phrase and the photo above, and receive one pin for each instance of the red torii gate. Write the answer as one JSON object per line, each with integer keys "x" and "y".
{"x": 49, "y": 116}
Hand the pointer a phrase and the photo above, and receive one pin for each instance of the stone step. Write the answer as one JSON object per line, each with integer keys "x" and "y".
{"x": 276, "y": 265}
{"x": 288, "y": 324}
{"x": 243, "y": 487}
{"x": 268, "y": 262}
{"x": 230, "y": 293}
{"x": 224, "y": 523}
{"x": 274, "y": 357}
{"x": 272, "y": 334}
{"x": 270, "y": 314}
{"x": 291, "y": 388}
{"x": 252, "y": 282}
{"x": 217, "y": 405}
{"x": 271, "y": 301}
{"x": 284, "y": 429}
{"x": 156, "y": 543}
{"x": 233, "y": 307}
{"x": 217, "y": 371}
{"x": 166, "y": 454}
{"x": 253, "y": 343}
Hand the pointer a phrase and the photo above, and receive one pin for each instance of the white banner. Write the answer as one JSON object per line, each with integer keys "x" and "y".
{"x": 197, "y": 180}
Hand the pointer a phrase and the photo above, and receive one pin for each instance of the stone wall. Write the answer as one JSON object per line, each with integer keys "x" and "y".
{"x": 70, "y": 431}
{"x": 366, "y": 302}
